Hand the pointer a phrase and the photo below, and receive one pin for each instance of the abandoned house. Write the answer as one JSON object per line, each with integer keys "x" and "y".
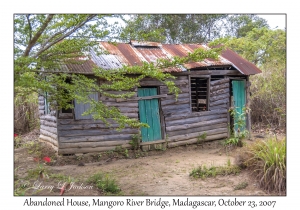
{"x": 208, "y": 89}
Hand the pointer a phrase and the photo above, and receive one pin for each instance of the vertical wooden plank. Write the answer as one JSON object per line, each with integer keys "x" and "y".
{"x": 228, "y": 113}
{"x": 155, "y": 116}
{"x": 197, "y": 93}
{"x": 208, "y": 94}
{"x": 149, "y": 114}
{"x": 161, "y": 118}
{"x": 190, "y": 92}
{"x": 142, "y": 113}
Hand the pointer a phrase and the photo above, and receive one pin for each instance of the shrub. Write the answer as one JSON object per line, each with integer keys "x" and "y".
{"x": 104, "y": 183}
{"x": 269, "y": 96}
{"x": 203, "y": 172}
{"x": 26, "y": 112}
{"x": 267, "y": 159}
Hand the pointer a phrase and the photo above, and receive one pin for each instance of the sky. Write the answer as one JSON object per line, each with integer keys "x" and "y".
{"x": 275, "y": 20}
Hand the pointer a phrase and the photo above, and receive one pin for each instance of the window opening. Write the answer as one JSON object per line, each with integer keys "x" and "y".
{"x": 199, "y": 94}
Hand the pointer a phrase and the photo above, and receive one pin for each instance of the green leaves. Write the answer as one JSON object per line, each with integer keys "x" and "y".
{"x": 182, "y": 28}
{"x": 239, "y": 25}
{"x": 259, "y": 46}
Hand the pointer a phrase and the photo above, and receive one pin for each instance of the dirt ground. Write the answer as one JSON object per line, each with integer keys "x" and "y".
{"x": 158, "y": 173}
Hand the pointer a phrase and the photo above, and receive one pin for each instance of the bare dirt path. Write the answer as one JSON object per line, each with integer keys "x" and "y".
{"x": 162, "y": 173}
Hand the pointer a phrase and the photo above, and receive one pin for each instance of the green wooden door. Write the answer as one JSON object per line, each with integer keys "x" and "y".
{"x": 239, "y": 102}
{"x": 149, "y": 113}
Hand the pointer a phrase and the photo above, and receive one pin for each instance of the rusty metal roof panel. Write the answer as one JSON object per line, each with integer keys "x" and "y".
{"x": 240, "y": 63}
{"x": 209, "y": 61}
{"x": 192, "y": 47}
{"x": 151, "y": 55}
{"x": 145, "y": 44}
{"x": 181, "y": 51}
{"x": 114, "y": 50}
{"x": 126, "y": 51}
{"x": 106, "y": 61}
{"x": 84, "y": 67}
{"x": 175, "y": 50}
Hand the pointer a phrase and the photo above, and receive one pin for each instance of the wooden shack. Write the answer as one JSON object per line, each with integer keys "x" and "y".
{"x": 208, "y": 89}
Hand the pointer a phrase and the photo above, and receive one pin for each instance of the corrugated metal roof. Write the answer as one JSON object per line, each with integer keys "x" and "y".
{"x": 240, "y": 63}
{"x": 135, "y": 53}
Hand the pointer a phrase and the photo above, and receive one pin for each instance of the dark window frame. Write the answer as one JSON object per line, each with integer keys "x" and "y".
{"x": 199, "y": 92}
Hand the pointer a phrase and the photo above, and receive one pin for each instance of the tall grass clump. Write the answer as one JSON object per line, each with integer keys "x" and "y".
{"x": 26, "y": 112}
{"x": 104, "y": 183}
{"x": 267, "y": 159}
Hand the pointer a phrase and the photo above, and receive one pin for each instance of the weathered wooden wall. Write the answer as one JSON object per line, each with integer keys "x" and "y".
{"x": 181, "y": 126}
{"x": 170, "y": 105}
{"x": 83, "y": 136}
{"x": 185, "y": 129}
{"x": 88, "y": 135}
{"x": 219, "y": 94}
{"x": 48, "y": 125}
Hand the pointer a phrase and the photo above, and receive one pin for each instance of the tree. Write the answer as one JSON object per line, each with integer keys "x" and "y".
{"x": 267, "y": 49}
{"x": 43, "y": 43}
{"x": 259, "y": 46}
{"x": 172, "y": 29}
{"x": 239, "y": 25}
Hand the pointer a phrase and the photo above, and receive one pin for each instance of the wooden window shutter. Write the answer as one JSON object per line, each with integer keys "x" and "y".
{"x": 81, "y": 108}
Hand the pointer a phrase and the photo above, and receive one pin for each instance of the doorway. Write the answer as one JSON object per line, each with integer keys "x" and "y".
{"x": 149, "y": 113}
{"x": 238, "y": 102}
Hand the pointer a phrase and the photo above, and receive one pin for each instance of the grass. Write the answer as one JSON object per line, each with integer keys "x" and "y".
{"x": 203, "y": 171}
{"x": 39, "y": 150}
{"x": 33, "y": 147}
{"x": 105, "y": 183}
{"x": 267, "y": 160}
{"x": 201, "y": 138}
{"x": 122, "y": 151}
{"x": 37, "y": 172}
{"x": 62, "y": 177}
{"x": 18, "y": 142}
{"x": 20, "y": 187}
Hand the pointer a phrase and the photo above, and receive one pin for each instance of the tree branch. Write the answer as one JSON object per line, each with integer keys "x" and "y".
{"x": 30, "y": 28}
{"x": 53, "y": 36}
{"x": 89, "y": 18}
{"x": 37, "y": 35}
